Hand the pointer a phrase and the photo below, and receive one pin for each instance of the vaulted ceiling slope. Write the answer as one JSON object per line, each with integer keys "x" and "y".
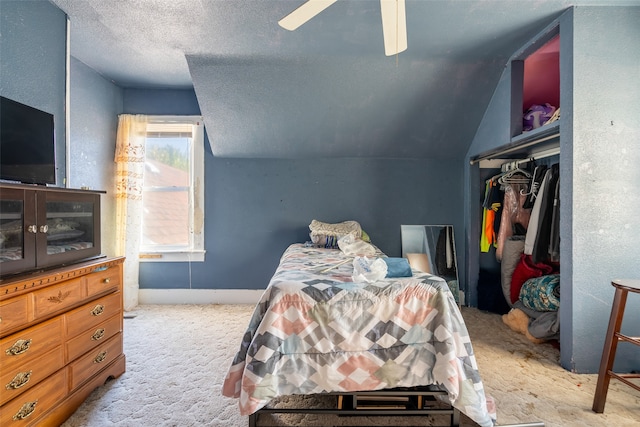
{"x": 325, "y": 89}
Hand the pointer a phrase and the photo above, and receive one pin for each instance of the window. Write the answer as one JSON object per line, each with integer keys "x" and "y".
{"x": 173, "y": 195}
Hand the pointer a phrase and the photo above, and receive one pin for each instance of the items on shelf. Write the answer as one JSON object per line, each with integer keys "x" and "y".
{"x": 539, "y": 115}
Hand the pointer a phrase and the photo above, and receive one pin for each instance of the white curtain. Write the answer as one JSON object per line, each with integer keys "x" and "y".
{"x": 129, "y": 158}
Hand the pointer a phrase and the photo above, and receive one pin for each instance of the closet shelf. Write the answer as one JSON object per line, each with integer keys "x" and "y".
{"x": 537, "y": 135}
{"x": 525, "y": 145}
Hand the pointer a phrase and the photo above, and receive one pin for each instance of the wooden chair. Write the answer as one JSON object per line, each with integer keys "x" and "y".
{"x": 622, "y": 288}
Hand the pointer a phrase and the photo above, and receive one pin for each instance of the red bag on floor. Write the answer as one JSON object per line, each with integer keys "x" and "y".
{"x": 525, "y": 270}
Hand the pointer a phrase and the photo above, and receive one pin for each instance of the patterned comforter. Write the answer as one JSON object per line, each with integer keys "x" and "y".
{"x": 315, "y": 330}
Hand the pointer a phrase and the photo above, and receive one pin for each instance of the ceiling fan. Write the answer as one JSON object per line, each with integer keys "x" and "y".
{"x": 394, "y": 25}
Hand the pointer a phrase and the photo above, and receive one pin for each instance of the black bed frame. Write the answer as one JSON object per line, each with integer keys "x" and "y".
{"x": 395, "y": 402}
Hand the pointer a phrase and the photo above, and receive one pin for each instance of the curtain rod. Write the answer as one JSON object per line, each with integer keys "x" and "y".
{"x": 512, "y": 149}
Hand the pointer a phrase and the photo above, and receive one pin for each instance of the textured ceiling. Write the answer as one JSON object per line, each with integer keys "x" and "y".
{"x": 326, "y": 89}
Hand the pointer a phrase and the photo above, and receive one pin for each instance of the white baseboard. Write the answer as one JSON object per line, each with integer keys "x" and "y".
{"x": 199, "y": 296}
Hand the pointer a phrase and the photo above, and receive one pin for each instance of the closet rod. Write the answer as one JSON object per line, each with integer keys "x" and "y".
{"x": 512, "y": 149}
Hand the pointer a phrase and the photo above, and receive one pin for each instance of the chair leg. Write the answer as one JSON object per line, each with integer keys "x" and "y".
{"x": 609, "y": 350}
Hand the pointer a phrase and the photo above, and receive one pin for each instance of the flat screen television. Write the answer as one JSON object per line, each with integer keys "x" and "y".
{"x": 27, "y": 144}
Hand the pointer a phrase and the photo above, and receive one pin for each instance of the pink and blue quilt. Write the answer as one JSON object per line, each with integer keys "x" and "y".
{"x": 316, "y": 331}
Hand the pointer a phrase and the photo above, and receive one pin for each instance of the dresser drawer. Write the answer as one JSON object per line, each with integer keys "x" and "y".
{"x": 30, "y": 405}
{"x": 103, "y": 281}
{"x": 91, "y": 314}
{"x": 22, "y": 347}
{"x": 94, "y": 336}
{"x": 57, "y": 298}
{"x": 13, "y": 382}
{"x": 96, "y": 359}
{"x": 14, "y": 313}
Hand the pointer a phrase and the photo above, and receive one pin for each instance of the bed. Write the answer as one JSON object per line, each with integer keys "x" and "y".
{"x": 316, "y": 331}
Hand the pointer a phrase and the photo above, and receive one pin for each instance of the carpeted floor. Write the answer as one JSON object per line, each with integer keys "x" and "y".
{"x": 178, "y": 356}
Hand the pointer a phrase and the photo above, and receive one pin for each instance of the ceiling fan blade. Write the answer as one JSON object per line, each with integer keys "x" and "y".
{"x": 394, "y": 26}
{"x": 304, "y": 13}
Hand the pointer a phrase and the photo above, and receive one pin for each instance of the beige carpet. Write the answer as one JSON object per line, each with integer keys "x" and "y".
{"x": 177, "y": 358}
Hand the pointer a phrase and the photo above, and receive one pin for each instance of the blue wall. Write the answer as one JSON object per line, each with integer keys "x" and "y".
{"x": 33, "y": 63}
{"x": 95, "y": 105}
{"x": 160, "y": 102}
{"x": 255, "y": 208}
{"x": 604, "y": 173}
{"x": 599, "y": 174}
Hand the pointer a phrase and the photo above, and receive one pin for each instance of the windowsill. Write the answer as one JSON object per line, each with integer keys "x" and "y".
{"x": 177, "y": 256}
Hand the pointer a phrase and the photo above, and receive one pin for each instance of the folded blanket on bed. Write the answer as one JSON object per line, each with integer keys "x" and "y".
{"x": 398, "y": 267}
{"x": 327, "y": 234}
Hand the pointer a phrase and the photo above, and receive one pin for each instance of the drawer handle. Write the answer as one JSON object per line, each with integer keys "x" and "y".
{"x": 26, "y": 410}
{"x": 100, "y": 357}
{"x": 97, "y": 310}
{"x": 21, "y": 346}
{"x": 107, "y": 280}
{"x": 19, "y": 380}
{"x": 98, "y": 334}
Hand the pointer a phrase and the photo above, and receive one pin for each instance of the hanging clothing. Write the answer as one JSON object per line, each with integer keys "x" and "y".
{"x": 515, "y": 218}
{"x": 445, "y": 259}
{"x": 535, "y": 216}
{"x": 534, "y": 187}
{"x": 538, "y": 238}
{"x": 554, "y": 244}
{"x": 491, "y": 206}
{"x": 543, "y": 239}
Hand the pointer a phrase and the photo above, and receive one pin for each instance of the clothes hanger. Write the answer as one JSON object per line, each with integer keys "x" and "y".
{"x": 515, "y": 176}
{"x": 534, "y": 186}
{"x": 493, "y": 178}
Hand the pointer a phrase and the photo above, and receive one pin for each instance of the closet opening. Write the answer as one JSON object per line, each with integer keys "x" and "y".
{"x": 519, "y": 258}
{"x": 514, "y": 197}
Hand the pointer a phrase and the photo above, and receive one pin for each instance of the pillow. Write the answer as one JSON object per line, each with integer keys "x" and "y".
{"x": 541, "y": 293}
{"x": 397, "y": 267}
{"x": 327, "y": 234}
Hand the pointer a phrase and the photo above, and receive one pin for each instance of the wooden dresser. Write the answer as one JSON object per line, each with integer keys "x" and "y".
{"x": 60, "y": 338}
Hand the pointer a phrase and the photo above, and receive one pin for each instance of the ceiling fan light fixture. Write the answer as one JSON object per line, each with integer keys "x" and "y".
{"x": 394, "y": 26}
{"x": 394, "y": 21}
{"x": 304, "y": 13}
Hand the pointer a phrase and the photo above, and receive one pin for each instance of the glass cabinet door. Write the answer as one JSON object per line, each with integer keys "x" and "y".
{"x": 17, "y": 231}
{"x": 68, "y": 225}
